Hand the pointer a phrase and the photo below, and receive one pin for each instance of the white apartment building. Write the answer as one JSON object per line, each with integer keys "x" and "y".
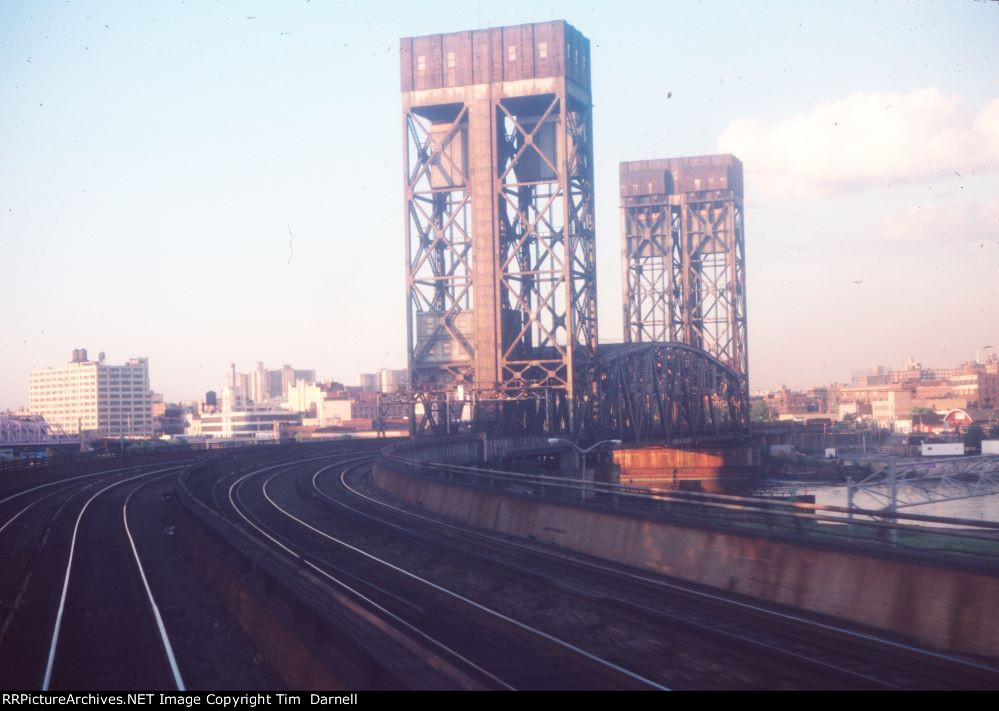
{"x": 305, "y": 397}
{"x": 93, "y": 396}
{"x": 252, "y": 423}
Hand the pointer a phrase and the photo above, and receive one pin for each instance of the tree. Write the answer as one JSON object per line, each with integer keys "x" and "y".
{"x": 759, "y": 411}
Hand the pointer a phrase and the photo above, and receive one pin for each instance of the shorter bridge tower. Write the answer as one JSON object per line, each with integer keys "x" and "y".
{"x": 684, "y": 257}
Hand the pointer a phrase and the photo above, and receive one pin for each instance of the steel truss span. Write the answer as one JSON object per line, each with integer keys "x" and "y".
{"x": 684, "y": 267}
{"x": 666, "y": 391}
{"x": 500, "y": 247}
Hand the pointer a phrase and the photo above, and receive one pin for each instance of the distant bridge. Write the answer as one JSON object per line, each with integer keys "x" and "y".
{"x": 31, "y": 430}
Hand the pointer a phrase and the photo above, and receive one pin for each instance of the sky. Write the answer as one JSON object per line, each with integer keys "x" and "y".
{"x": 203, "y": 183}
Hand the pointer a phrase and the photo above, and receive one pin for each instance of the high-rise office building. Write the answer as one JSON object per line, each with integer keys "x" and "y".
{"x": 94, "y": 396}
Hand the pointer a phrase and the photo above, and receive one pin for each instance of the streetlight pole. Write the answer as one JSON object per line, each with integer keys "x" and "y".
{"x": 583, "y": 452}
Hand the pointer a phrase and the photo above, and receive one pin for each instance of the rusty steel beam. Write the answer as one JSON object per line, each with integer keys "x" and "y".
{"x": 683, "y": 256}
{"x": 665, "y": 391}
{"x": 501, "y": 273}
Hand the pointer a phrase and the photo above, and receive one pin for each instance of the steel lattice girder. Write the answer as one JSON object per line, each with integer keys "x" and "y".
{"x": 500, "y": 239}
{"x": 711, "y": 278}
{"x": 547, "y": 271}
{"x": 684, "y": 256}
{"x": 664, "y": 391}
{"x": 933, "y": 481}
{"x": 648, "y": 297}
{"x": 439, "y": 246}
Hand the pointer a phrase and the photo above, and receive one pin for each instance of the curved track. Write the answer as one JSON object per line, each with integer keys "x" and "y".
{"x": 774, "y": 648}
{"x": 510, "y": 653}
{"x": 821, "y": 646}
{"x": 533, "y": 617}
{"x": 88, "y": 562}
{"x": 96, "y": 595}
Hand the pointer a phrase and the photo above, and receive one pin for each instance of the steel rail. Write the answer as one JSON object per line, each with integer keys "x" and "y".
{"x": 460, "y": 598}
{"x": 46, "y": 681}
{"x": 717, "y": 600}
{"x": 238, "y": 507}
{"x": 581, "y": 564}
{"x": 164, "y": 637}
{"x": 53, "y": 493}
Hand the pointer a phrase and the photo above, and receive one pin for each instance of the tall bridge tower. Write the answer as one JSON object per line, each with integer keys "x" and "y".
{"x": 500, "y": 262}
{"x": 684, "y": 256}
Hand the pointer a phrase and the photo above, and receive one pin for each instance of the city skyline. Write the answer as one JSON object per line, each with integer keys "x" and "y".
{"x": 222, "y": 380}
{"x": 348, "y": 380}
{"x": 257, "y": 198}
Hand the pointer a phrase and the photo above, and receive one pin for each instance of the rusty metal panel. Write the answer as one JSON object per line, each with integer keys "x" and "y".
{"x": 577, "y": 57}
{"x": 516, "y": 52}
{"x": 435, "y": 62}
{"x": 547, "y": 49}
{"x": 681, "y": 175}
{"x": 406, "y": 63}
{"x": 699, "y": 176}
{"x": 644, "y": 178}
{"x": 481, "y": 58}
{"x": 422, "y": 78}
{"x": 525, "y": 51}
{"x": 735, "y": 176}
{"x": 496, "y": 57}
{"x": 458, "y": 58}
{"x": 571, "y": 56}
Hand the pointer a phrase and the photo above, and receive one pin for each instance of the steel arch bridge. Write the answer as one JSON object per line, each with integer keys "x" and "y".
{"x": 665, "y": 391}
{"x": 637, "y": 392}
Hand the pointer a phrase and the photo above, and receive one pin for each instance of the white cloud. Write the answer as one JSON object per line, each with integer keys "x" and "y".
{"x": 865, "y": 140}
{"x": 947, "y": 222}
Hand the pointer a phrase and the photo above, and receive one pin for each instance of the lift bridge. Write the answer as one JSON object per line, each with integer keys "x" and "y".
{"x": 501, "y": 255}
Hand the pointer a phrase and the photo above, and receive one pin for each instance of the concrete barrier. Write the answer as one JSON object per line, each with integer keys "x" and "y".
{"x": 944, "y": 605}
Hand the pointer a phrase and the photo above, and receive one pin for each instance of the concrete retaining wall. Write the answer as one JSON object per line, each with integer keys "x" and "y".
{"x": 945, "y": 607}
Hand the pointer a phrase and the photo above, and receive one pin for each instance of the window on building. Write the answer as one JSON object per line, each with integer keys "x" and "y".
{"x": 511, "y": 53}
{"x": 543, "y": 50}
{"x": 421, "y": 63}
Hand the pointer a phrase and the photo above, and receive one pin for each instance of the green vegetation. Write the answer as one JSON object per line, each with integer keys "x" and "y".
{"x": 759, "y": 411}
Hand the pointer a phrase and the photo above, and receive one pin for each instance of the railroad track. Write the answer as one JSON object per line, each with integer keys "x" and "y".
{"x": 856, "y": 658}
{"x": 83, "y": 606}
{"x": 72, "y": 618}
{"x": 96, "y": 595}
{"x": 506, "y": 652}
